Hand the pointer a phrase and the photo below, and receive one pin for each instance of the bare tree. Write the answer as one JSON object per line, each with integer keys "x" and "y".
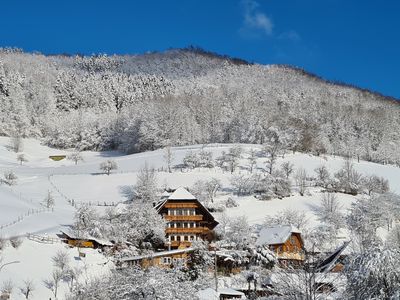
{"x": 27, "y": 288}
{"x": 287, "y": 168}
{"x": 323, "y": 176}
{"x": 329, "y": 210}
{"x": 48, "y": 201}
{"x": 54, "y": 281}
{"x": 301, "y": 180}
{"x": 168, "y": 156}
{"x": 16, "y": 143}
{"x": 108, "y": 166}
{"x": 252, "y": 159}
{"x": 61, "y": 260}
{"x": 21, "y": 158}
{"x": 75, "y": 156}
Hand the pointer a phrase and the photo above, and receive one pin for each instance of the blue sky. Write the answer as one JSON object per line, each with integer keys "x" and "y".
{"x": 357, "y": 42}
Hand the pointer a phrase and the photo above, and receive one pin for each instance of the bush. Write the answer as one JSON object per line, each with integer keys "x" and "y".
{"x": 230, "y": 202}
{"x": 16, "y": 242}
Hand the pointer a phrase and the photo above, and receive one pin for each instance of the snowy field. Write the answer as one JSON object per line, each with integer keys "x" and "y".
{"x": 21, "y": 209}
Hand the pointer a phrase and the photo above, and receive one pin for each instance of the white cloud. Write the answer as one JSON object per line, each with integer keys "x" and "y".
{"x": 256, "y": 20}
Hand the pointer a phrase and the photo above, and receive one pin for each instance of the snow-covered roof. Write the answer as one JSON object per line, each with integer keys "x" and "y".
{"x": 181, "y": 194}
{"x": 275, "y": 235}
{"x": 211, "y": 294}
{"x": 89, "y": 238}
{"x": 208, "y": 294}
{"x": 156, "y": 254}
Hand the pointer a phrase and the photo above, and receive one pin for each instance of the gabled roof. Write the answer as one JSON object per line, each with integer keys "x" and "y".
{"x": 328, "y": 263}
{"x": 181, "y": 194}
{"x": 275, "y": 235}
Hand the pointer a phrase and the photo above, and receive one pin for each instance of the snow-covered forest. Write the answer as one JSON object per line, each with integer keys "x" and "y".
{"x": 92, "y": 146}
{"x": 189, "y": 96}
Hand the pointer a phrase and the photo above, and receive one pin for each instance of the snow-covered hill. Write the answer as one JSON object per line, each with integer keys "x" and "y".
{"x": 189, "y": 96}
{"x": 85, "y": 183}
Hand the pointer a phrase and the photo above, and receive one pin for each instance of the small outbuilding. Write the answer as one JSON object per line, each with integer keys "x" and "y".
{"x": 84, "y": 242}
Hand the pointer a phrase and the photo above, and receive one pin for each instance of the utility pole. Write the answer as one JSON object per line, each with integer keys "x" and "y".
{"x": 215, "y": 266}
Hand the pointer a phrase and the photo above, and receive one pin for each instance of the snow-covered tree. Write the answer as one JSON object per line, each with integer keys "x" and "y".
{"x": 375, "y": 184}
{"x": 323, "y": 176}
{"x": 287, "y": 168}
{"x": 21, "y": 158}
{"x": 27, "y": 288}
{"x": 134, "y": 283}
{"x": 168, "y": 157}
{"x": 301, "y": 180}
{"x": 252, "y": 158}
{"x": 108, "y": 166}
{"x": 348, "y": 180}
{"x": 329, "y": 211}
{"x": 49, "y": 201}
{"x": 374, "y": 275}
{"x": 145, "y": 189}
{"x": 76, "y": 157}
{"x": 10, "y": 177}
{"x": 292, "y": 217}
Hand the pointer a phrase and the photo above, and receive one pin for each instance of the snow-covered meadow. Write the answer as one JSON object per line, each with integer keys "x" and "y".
{"x": 22, "y": 210}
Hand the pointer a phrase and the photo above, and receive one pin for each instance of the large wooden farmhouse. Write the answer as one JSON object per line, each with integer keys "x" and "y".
{"x": 188, "y": 220}
{"x": 285, "y": 241}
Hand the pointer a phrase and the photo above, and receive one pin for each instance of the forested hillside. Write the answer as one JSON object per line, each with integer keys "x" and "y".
{"x": 189, "y": 96}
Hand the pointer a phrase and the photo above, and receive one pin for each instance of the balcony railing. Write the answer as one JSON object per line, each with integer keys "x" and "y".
{"x": 183, "y": 218}
{"x": 195, "y": 230}
{"x": 179, "y": 244}
{"x": 181, "y": 205}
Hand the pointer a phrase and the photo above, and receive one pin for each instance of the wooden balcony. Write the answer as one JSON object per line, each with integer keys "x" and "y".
{"x": 181, "y": 205}
{"x": 183, "y": 218}
{"x": 196, "y": 230}
{"x": 182, "y": 244}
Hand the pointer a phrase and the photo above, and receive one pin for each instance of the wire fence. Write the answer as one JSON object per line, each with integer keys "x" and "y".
{"x": 43, "y": 239}
{"x": 75, "y": 203}
{"x": 20, "y": 218}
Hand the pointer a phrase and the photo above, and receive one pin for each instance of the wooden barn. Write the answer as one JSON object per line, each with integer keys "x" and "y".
{"x": 285, "y": 241}
{"x": 164, "y": 259}
{"x": 87, "y": 242}
{"x": 188, "y": 220}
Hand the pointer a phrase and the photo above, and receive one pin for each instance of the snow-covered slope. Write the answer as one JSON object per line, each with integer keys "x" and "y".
{"x": 85, "y": 183}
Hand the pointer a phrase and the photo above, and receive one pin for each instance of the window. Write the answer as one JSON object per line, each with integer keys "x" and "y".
{"x": 186, "y": 238}
{"x": 172, "y": 238}
{"x": 178, "y": 238}
{"x": 166, "y": 260}
{"x": 178, "y": 225}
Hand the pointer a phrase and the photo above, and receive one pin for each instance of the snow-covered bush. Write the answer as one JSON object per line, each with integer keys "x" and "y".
{"x": 288, "y": 216}
{"x": 230, "y": 202}
{"x": 375, "y": 184}
{"x": 348, "y": 180}
{"x": 132, "y": 283}
{"x": 244, "y": 184}
{"x": 10, "y": 178}
{"x": 16, "y": 242}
